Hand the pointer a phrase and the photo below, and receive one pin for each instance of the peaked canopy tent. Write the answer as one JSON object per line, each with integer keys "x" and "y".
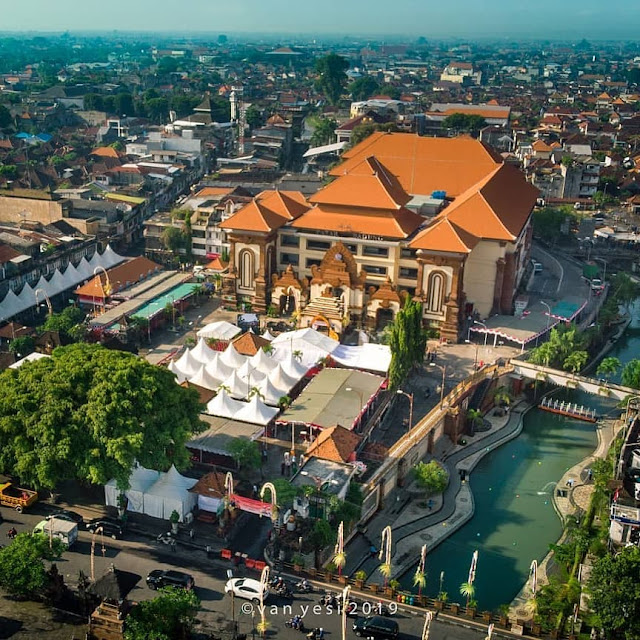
{"x": 221, "y": 330}
{"x": 187, "y": 364}
{"x": 371, "y": 357}
{"x": 203, "y": 352}
{"x": 204, "y": 379}
{"x": 232, "y": 358}
{"x": 218, "y": 370}
{"x": 180, "y": 377}
{"x": 169, "y": 493}
{"x": 262, "y": 362}
{"x": 140, "y": 481}
{"x": 256, "y": 412}
{"x": 223, "y": 406}
{"x": 312, "y": 345}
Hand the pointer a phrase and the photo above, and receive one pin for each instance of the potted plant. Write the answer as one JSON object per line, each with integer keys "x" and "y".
{"x": 373, "y": 587}
{"x": 486, "y": 616}
{"x": 330, "y": 569}
{"x": 393, "y": 586}
{"x": 455, "y": 608}
{"x": 441, "y": 600}
{"x": 471, "y": 609}
{"x": 298, "y": 563}
{"x": 122, "y": 504}
{"x": 503, "y": 611}
{"x": 360, "y": 578}
{"x": 174, "y": 518}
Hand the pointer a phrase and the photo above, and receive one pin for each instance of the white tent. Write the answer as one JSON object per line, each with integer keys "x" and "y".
{"x": 110, "y": 258}
{"x": 58, "y": 283}
{"x": 262, "y": 362}
{"x": 235, "y": 386}
{"x": 267, "y": 335}
{"x": 30, "y": 358}
{"x": 10, "y": 305}
{"x": 170, "y": 493}
{"x": 45, "y": 285}
{"x": 84, "y": 269}
{"x": 95, "y": 261}
{"x": 221, "y": 330}
{"x": 271, "y": 394}
{"x": 312, "y": 344}
{"x": 202, "y": 352}
{"x": 187, "y": 364}
{"x": 71, "y": 275}
{"x": 27, "y": 297}
{"x": 251, "y": 375}
{"x": 293, "y": 368}
{"x": 232, "y": 358}
{"x": 219, "y": 370}
{"x": 204, "y": 379}
{"x": 281, "y": 381}
{"x": 140, "y": 481}
{"x": 256, "y": 412}
{"x": 180, "y": 377}
{"x": 373, "y": 357}
{"x": 223, "y": 406}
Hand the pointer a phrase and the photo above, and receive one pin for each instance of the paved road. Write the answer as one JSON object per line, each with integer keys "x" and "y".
{"x": 140, "y": 557}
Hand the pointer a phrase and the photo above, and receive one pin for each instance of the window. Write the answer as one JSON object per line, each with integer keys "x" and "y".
{"x": 318, "y": 245}
{"x": 289, "y": 258}
{"x": 196, "y": 233}
{"x": 408, "y": 253}
{"x": 407, "y": 272}
{"x": 435, "y": 291}
{"x": 375, "y": 252}
{"x": 289, "y": 241}
{"x": 375, "y": 270}
{"x": 311, "y": 261}
{"x": 246, "y": 269}
{"x": 352, "y": 247}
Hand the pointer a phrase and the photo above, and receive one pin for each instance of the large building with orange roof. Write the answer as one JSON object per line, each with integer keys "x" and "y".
{"x": 353, "y": 250}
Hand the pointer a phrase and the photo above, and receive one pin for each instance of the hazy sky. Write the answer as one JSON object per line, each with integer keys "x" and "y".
{"x": 540, "y": 18}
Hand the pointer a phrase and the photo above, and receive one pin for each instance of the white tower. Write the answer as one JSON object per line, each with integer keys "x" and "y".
{"x": 233, "y": 99}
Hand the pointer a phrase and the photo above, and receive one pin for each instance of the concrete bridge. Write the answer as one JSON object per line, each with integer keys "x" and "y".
{"x": 572, "y": 381}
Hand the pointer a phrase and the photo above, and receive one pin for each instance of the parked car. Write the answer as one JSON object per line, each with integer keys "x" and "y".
{"x": 160, "y": 578}
{"x": 247, "y": 588}
{"x": 69, "y": 516}
{"x": 376, "y": 627}
{"x": 110, "y": 527}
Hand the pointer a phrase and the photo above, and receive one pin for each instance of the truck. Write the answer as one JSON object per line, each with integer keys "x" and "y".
{"x": 590, "y": 270}
{"x": 16, "y": 497}
{"x": 63, "y": 530}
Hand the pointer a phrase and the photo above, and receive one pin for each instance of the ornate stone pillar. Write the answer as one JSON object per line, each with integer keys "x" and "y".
{"x": 419, "y": 291}
{"x": 450, "y": 329}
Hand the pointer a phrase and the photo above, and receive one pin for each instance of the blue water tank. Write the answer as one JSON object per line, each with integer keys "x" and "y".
{"x": 439, "y": 195}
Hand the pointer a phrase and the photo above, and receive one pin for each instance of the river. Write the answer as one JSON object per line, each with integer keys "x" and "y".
{"x": 514, "y": 520}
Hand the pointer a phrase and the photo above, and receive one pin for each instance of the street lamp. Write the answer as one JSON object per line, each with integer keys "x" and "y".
{"x": 400, "y": 392}
{"x": 475, "y": 357}
{"x": 486, "y": 334}
{"x": 548, "y": 314}
{"x": 444, "y": 373}
{"x": 46, "y": 298}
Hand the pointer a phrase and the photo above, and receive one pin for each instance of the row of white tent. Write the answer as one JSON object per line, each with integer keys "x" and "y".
{"x": 72, "y": 276}
{"x": 237, "y": 377}
{"x": 155, "y": 493}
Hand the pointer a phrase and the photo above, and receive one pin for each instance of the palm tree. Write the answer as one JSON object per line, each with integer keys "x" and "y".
{"x": 575, "y": 361}
{"x": 224, "y": 387}
{"x": 467, "y": 590}
{"x": 385, "y": 570}
{"x": 419, "y": 580}
{"x": 474, "y": 416}
{"x": 502, "y": 397}
{"x": 297, "y": 354}
{"x": 284, "y": 402}
{"x": 268, "y": 349}
{"x": 255, "y": 391}
{"x": 608, "y": 367}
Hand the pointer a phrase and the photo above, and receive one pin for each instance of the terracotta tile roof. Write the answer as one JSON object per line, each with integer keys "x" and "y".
{"x": 120, "y": 277}
{"x": 399, "y": 223}
{"x": 7, "y": 253}
{"x": 540, "y": 145}
{"x": 443, "y": 235}
{"x": 496, "y": 209}
{"x": 210, "y": 192}
{"x": 268, "y": 211}
{"x": 335, "y": 443}
{"x": 105, "y": 152}
{"x": 217, "y": 264}
{"x": 204, "y": 395}
{"x": 368, "y": 184}
{"x": 211, "y": 484}
{"x": 15, "y": 330}
{"x": 424, "y": 165}
{"x": 474, "y": 111}
{"x": 248, "y": 343}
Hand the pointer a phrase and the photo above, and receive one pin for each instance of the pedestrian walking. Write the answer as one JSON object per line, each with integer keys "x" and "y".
{"x": 589, "y": 475}
{"x": 255, "y": 491}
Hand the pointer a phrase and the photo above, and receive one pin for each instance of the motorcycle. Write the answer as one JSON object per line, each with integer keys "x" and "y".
{"x": 304, "y": 586}
{"x": 283, "y": 591}
{"x": 165, "y": 538}
{"x": 330, "y": 600}
{"x": 316, "y": 634}
{"x": 298, "y": 625}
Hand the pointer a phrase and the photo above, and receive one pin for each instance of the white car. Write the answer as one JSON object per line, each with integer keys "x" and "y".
{"x": 247, "y": 588}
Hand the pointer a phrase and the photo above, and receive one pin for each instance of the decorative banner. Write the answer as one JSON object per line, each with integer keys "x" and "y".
{"x": 250, "y": 505}
{"x": 472, "y": 568}
{"x": 533, "y": 572}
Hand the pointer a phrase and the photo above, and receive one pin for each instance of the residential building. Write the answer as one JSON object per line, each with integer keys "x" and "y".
{"x": 460, "y": 73}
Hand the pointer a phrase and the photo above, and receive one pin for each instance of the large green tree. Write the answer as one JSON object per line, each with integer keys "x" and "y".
{"x": 170, "y": 616}
{"x": 22, "y": 569}
{"x": 64, "y": 321}
{"x": 407, "y": 340}
{"x": 430, "y": 476}
{"x": 88, "y": 413}
{"x": 332, "y": 77}
{"x": 464, "y": 123}
{"x": 631, "y": 374}
{"x": 323, "y": 132}
{"x": 614, "y": 586}
{"x": 363, "y": 88}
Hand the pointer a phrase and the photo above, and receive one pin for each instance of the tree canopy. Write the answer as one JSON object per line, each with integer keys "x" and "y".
{"x": 169, "y": 616}
{"x": 331, "y": 76}
{"x": 430, "y": 476}
{"x": 88, "y": 413}
{"x": 245, "y": 453}
{"x": 363, "y": 88}
{"x": 614, "y": 585}
{"x": 22, "y": 569}
{"x": 464, "y": 122}
{"x": 64, "y": 321}
{"x": 407, "y": 340}
{"x": 324, "y": 131}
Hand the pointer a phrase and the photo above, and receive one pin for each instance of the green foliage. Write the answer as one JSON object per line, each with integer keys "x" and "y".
{"x": 64, "y": 321}
{"x": 322, "y": 535}
{"x": 285, "y": 492}
{"x": 245, "y": 453}
{"x": 9, "y": 171}
{"x": 170, "y": 616}
{"x": 363, "y": 88}
{"x": 22, "y": 346}
{"x": 88, "y": 413}
{"x": 331, "y": 77}
{"x": 253, "y": 116}
{"x": 363, "y": 130}
{"x": 407, "y": 340}
{"x": 430, "y": 476}
{"x": 22, "y": 568}
{"x": 5, "y": 117}
{"x": 562, "y": 343}
{"x": 176, "y": 240}
{"x": 614, "y": 586}
{"x": 575, "y": 361}
{"x": 608, "y": 367}
{"x": 324, "y": 131}
{"x": 624, "y": 290}
{"x": 464, "y": 123}
{"x": 631, "y": 374}
{"x": 548, "y": 222}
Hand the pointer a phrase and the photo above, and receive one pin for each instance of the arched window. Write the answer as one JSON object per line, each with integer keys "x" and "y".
{"x": 435, "y": 291}
{"x": 247, "y": 270}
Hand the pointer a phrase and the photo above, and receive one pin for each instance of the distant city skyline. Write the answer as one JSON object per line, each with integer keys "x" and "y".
{"x": 614, "y": 19}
